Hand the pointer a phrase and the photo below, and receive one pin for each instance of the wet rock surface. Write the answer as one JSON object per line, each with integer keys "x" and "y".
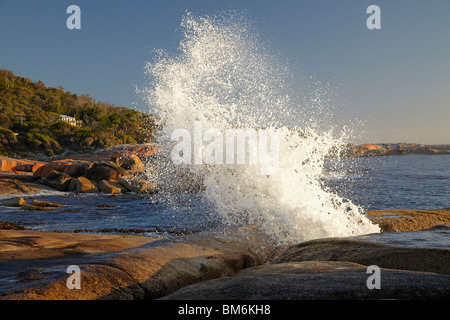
{"x": 335, "y": 269}
{"x": 335, "y": 280}
{"x": 115, "y": 267}
{"x": 408, "y": 220}
{"x": 233, "y": 264}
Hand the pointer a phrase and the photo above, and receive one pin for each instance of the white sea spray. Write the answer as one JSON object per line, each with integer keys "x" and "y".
{"x": 223, "y": 77}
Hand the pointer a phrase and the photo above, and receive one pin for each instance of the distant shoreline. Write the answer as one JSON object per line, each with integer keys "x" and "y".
{"x": 348, "y": 150}
{"x": 20, "y": 176}
{"x": 388, "y": 149}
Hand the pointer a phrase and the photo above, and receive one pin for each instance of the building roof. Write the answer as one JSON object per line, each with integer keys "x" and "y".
{"x": 63, "y": 116}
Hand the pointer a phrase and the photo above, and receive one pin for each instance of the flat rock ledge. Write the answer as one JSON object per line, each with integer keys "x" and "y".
{"x": 317, "y": 280}
{"x": 408, "y": 220}
{"x": 235, "y": 264}
{"x": 331, "y": 269}
{"x": 33, "y": 265}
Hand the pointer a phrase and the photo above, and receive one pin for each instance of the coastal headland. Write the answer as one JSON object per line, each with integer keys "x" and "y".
{"x": 389, "y": 149}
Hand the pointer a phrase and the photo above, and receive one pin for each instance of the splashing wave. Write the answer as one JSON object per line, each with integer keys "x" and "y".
{"x": 224, "y": 77}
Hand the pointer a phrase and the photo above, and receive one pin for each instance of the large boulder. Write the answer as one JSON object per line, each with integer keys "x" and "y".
{"x": 112, "y": 187}
{"x": 57, "y": 180}
{"x": 132, "y": 163}
{"x": 85, "y": 185}
{"x": 138, "y": 185}
{"x": 106, "y": 171}
{"x": 45, "y": 170}
{"x": 72, "y": 186}
{"x": 78, "y": 169}
{"x": 100, "y": 172}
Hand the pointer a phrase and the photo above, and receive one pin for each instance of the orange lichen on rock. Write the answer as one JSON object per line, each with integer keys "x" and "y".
{"x": 10, "y": 164}
{"x": 59, "y": 165}
{"x": 409, "y": 220}
{"x": 371, "y": 146}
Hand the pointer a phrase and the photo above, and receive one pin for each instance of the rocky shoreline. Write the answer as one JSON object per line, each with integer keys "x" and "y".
{"x": 389, "y": 149}
{"x": 237, "y": 264}
{"x": 111, "y": 171}
{"x": 232, "y": 264}
{"x": 120, "y": 169}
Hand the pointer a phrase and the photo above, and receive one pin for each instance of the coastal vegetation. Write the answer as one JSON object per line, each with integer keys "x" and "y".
{"x": 30, "y": 120}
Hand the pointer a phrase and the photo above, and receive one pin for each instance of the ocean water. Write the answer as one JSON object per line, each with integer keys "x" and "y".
{"x": 392, "y": 182}
{"x": 411, "y": 181}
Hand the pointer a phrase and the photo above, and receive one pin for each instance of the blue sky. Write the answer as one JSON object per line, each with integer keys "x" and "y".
{"x": 396, "y": 80}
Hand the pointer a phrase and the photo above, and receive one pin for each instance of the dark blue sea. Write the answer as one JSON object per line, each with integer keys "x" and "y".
{"x": 375, "y": 183}
{"x": 412, "y": 181}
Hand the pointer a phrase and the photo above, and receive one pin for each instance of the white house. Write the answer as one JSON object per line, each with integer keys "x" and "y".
{"x": 71, "y": 120}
